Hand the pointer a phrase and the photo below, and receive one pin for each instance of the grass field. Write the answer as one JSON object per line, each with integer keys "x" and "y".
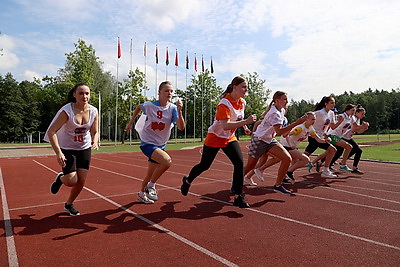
{"x": 375, "y": 147}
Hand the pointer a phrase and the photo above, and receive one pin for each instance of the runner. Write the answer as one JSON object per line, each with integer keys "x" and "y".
{"x": 158, "y": 119}
{"x": 221, "y": 135}
{"x": 73, "y": 133}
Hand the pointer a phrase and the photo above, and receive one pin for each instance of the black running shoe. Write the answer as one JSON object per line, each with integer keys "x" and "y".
{"x": 240, "y": 202}
{"x": 55, "y": 186}
{"x": 185, "y": 186}
{"x": 318, "y": 166}
{"x": 286, "y": 181}
{"x": 71, "y": 209}
{"x": 290, "y": 176}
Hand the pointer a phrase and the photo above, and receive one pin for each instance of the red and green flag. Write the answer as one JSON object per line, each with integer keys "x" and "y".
{"x": 187, "y": 61}
{"x": 166, "y": 57}
{"x": 156, "y": 54}
{"x": 202, "y": 64}
{"x": 195, "y": 63}
{"x": 176, "y": 58}
{"x": 212, "y": 67}
{"x": 119, "y": 48}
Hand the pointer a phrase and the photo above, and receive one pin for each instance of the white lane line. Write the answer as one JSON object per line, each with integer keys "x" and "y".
{"x": 274, "y": 215}
{"x": 11, "y": 250}
{"x": 319, "y": 186}
{"x": 165, "y": 230}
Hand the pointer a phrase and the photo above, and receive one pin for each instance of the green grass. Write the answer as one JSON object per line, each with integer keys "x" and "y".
{"x": 384, "y": 150}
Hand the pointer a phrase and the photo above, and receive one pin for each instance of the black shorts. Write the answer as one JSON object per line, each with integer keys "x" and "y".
{"x": 76, "y": 159}
{"x": 314, "y": 144}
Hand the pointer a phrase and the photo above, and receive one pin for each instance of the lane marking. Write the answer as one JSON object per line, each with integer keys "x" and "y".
{"x": 11, "y": 250}
{"x": 272, "y": 215}
{"x": 159, "y": 227}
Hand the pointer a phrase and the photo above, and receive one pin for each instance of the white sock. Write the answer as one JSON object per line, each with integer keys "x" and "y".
{"x": 326, "y": 169}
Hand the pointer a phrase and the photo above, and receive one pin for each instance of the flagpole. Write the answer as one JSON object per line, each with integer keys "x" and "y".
{"x": 99, "y": 119}
{"x": 145, "y": 69}
{"x": 155, "y": 92}
{"x": 130, "y": 96}
{"x": 202, "y": 100}
{"x": 186, "y": 91}
{"x": 116, "y": 95}
{"x": 194, "y": 102}
{"x": 176, "y": 86}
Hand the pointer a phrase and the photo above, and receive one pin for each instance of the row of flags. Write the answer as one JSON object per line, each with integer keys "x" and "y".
{"x": 176, "y": 58}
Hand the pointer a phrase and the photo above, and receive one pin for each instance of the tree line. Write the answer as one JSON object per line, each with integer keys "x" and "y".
{"x": 27, "y": 107}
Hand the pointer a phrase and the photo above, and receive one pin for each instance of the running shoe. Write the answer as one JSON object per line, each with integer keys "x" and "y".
{"x": 290, "y": 176}
{"x": 318, "y": 166}
{"x": 259, "y": 174}
{"x": 143, "y": 197}
{"x": 332, "y": 169}
{"x": 345, "y": 168}
{"x": 357, "y": 171}
{"x": 185, "y": 186}
{"x": 240, "y": 202}
{"x": 249, "y": 182}
{"x": 282, "y": 190}
{"x": 328, "y": 174}
{"x": 286, "y": 181}
{"x": 151, "y": 192}
{"x": 55, "y": 186}
{"x": 71, "y": 209}
{"x": 309, "y": 166}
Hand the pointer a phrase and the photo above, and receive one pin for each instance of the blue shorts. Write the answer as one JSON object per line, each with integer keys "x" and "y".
{"x": 148, "y": 150}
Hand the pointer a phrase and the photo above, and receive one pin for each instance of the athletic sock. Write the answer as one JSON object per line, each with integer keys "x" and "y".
{"x": 150, "y": 184}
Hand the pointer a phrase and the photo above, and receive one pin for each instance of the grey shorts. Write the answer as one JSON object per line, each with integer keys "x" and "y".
{"x": 258, "y": 147}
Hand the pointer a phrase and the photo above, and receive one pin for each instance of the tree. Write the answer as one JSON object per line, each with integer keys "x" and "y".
{"x": 11, "y": 106}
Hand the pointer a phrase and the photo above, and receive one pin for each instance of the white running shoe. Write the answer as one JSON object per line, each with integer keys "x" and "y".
{"x": 249, "y": 182}
{"x": 142, "y": 197}
{"x": 328, "y": 174}
{"x": 259, "y": 174}
{"x": 151, "y": 192}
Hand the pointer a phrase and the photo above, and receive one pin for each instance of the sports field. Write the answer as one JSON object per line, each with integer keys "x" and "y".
{"x": 351, "y": 220}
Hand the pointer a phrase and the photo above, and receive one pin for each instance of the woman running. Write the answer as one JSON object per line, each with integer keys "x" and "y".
{"x": 221, "y": 135}
{"x": 160, "y": 116}
{"x": 263, "y": 139}
{"x": 73, "y": 134}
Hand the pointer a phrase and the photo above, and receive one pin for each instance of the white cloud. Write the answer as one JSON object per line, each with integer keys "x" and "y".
{"x": 8, "y": 59}
{"x": 30, "y": 75}
{"x": 338, "y": 46}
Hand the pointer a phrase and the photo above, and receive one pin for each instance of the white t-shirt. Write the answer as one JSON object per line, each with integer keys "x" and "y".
{"x": 71, "y": 135}
{"x": 265, "y": 131}
{"x": 159, "y": 122}
{"x": 297, "y": 135}
{"x": 322, "y": 121}
{"x": 343, "y": 126}
{"x": 348, "y": 134}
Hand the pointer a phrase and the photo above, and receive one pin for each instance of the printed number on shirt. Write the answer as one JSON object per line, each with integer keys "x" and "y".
{"x": 78, "y": 138}
{"x": 159, "y": 114}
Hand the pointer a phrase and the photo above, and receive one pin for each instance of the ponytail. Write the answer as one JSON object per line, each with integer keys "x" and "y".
{"x": 70, "y": 96}
{"x": 236, "y": 81}
{"x": 323, "y": 102}
{"x": 277, "y": 95}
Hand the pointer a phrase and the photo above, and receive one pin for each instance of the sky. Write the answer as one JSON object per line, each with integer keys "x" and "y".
{"x": 306, "y": 48}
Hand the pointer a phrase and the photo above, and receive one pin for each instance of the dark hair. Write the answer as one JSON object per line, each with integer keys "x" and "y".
{"x": 236, "y": 81}
{"x": 359, "y": 108}
{"x": 348, "y": 107}
{"x": 323, "y": 102}
{"x": 276, "y": 95}
{"x": 164, "y": 84}
{"x": 70, "y": 96}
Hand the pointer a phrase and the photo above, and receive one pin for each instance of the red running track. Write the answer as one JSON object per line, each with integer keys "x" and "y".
{"x": 352, "y": 220}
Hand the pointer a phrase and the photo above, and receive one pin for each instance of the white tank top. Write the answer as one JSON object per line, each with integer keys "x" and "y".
{"x": 235, "y": 115}
{"x": 71, "y": 135}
